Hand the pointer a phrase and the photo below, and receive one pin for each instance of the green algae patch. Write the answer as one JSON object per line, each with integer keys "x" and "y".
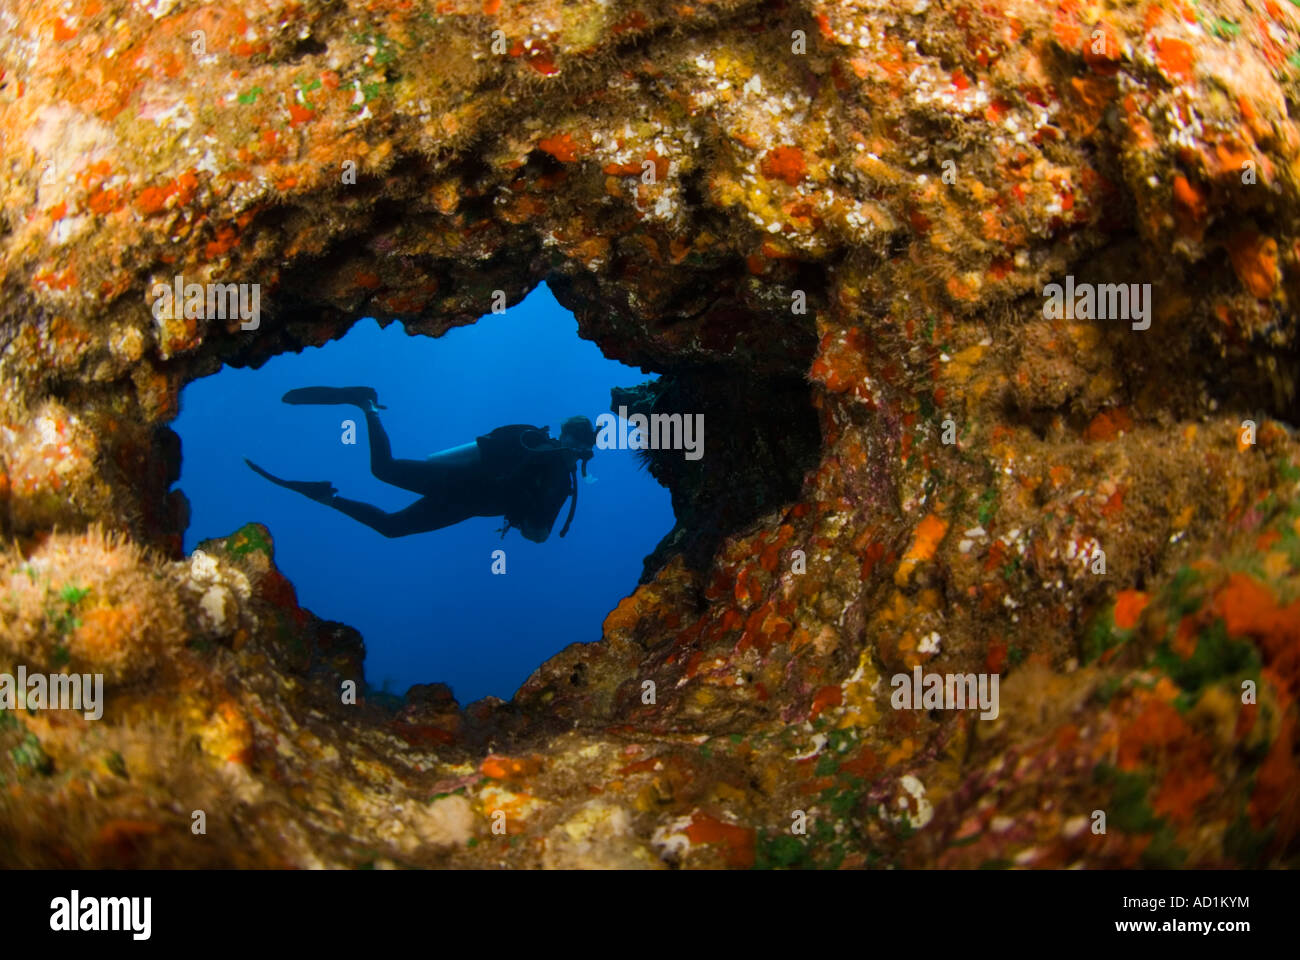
{"x": 1130, "y": 812}
{"x": 1103, "y": 636}
{"x": 31, "y": 756}
{"x": 1128, "y": 809}
{"x": 66, "y": 621}
{"x": 1163, "y": 853}
{"x": 116, "y": 765}
{"x": 246, "y": 539}
{"x": 1245, "y": 844}
{"x": 1217, "y": 656}
{"x": 781, "y": 852}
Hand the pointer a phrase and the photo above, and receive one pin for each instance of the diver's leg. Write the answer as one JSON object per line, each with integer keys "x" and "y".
{"x": 420, "y": 517}
{"x": 414, "y": 475}
{"x": 418, "y": 476}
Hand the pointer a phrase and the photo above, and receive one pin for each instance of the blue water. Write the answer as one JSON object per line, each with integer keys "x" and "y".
{"x": 428, "y": 605}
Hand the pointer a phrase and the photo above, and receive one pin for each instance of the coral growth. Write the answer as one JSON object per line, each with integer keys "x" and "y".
{"x": 90, "y": 603}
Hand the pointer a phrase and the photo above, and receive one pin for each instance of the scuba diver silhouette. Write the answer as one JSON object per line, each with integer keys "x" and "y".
{"x": 517, "y": 471}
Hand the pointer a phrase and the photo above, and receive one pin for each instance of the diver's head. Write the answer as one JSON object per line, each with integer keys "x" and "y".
{"x": 579, "y": 435}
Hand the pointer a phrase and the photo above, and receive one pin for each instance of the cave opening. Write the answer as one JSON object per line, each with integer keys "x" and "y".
{"x": 440, "y": 606}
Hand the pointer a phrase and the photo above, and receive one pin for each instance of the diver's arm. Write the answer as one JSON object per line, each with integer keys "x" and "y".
{"x": 539, "y": 500}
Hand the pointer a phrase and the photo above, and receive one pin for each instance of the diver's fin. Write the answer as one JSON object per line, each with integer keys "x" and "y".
{"x": 364, "y": 397}
{"x": 319, "y": 490}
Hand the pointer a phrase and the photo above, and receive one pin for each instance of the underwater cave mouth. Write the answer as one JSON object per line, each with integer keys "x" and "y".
{"x": 442, "y": 605}
{"x": 428, "y": 606}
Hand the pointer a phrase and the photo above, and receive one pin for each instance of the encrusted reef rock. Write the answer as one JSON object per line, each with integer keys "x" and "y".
{"x": 853, "y": 211}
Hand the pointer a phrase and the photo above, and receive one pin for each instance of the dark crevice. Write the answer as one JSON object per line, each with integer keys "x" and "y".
{"x": 761, "y": 436}
{"x": 308, "y": 46}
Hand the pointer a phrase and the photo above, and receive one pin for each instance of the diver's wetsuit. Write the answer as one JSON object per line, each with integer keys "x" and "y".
{"x": 516, "y": 471}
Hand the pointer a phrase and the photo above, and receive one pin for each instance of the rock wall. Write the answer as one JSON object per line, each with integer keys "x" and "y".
{"x": 860, "y": 206}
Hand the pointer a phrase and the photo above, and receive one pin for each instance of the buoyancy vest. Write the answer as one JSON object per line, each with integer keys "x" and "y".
{"x": 522, "y": 461}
